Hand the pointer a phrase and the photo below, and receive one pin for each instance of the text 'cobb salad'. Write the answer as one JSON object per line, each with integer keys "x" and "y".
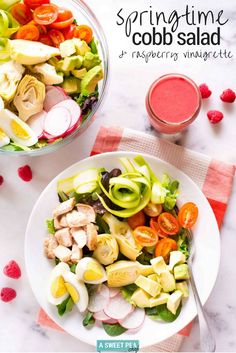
{"x": 120, "y": 246}
{"x": 49, "y": 73}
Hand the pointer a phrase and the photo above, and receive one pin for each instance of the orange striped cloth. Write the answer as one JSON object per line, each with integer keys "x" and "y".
{"x": 215, "y": 179}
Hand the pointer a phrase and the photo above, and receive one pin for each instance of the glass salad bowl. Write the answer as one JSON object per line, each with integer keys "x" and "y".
{"x": 83, "y": 15}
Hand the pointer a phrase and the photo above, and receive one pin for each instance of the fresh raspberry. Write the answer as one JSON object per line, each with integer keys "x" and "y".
{"x": 228, "y": 96}
{"x": 1, "y": 180}
{"x": 205, "y": 91}
{"x": 25, "y": 173}
{"x": 8, "y": 294}
{"x": 12, "y": 270}
{"x": 215, "y": 116}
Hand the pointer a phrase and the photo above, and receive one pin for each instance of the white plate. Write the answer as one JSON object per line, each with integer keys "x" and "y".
{"x": 206, "y": 263}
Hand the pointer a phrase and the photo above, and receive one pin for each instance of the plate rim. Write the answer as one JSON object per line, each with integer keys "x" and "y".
{"x": 94, "y": 157}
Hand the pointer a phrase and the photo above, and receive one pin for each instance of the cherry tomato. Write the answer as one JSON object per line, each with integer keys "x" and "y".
{"x": 84, "y": 32}
{"x": 137, "y": 220}
{"x": 164, "y": 247}
{"x": 154, "y": 225}
{"x": 35, "y": 3}
{"x": 56, "y": 37}
{"x": 21, "y": 13}
{"x": 152, "y": 209}
{"x": 45, "y": 39}
{"x": 64, "y": 19}
{"x": 188, "y": 215}
{"x": 145, "y": 236}
{"x": 28, "y": 32}
{"x": 42, "y": 29}
{"x": 69, "y": 31}
{"x": 168, "y": 223}
{"x": 45, "y": 14}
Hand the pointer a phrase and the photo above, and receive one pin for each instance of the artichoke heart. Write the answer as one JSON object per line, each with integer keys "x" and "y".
{"x": 123, "y": 234}
{"x": 29, "y": 97}
{"x": 10, "y": 75}
{"x": 107, "y": 249}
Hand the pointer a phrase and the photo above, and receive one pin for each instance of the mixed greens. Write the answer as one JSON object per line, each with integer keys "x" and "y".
{"x": 50, "y": 68}
{"x": 119, "y": 240}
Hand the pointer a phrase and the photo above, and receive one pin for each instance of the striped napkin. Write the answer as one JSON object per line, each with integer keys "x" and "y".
{"x": 215, "y": 179}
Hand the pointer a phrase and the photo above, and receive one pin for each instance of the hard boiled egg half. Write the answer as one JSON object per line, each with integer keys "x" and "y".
{"x": 77, "y": 291}
{"x": 90, "y": 270}
{"x": 57, "y": 291}
{"x": 16, "y": 129}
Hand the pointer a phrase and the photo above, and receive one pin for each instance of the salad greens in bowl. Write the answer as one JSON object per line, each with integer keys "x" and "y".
{"x": 53, "y": 73}
{"x": 112, "y": 240}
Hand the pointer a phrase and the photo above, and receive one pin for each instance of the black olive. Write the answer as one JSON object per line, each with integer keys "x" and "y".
{"x": 105, "y": 180}
{"x": 115, "y": 173}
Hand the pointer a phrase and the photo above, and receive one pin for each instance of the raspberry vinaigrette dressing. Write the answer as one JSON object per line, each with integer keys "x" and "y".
{"x": 173, "y": 102}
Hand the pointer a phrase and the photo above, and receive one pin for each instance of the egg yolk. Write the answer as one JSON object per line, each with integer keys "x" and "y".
{"x": 58, "y": 288}
{"x": 73, "y": 292}
{"x": 2, "y": 133}
{"x": 93, "y": 272}
{"x": 19, "y": 131}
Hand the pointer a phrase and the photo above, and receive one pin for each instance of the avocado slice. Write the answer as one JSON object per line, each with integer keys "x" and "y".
{"x": 91, "y": 79}
{"x": 183, "y": 287}
{"x": 91, "y": 60}
{"x": 151, "y": 287}
{"x": 181, "y": 272}
{"x": 162, "y": 298}
{"x": 79, "y": 73}
{"x": 158, "y": 264}
{"x": 81, "y": 46}
{"x": 71, "y": 85}
{"x": 174, "y": 301}
{"x": 140, "y": 298}
{"x": 167, "y": 281}
{"x": 71, "y": 63}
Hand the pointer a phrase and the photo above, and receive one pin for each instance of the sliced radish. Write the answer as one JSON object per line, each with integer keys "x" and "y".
{"x": 73, "y": 108}
{"x": 57, "y": 121}
{"x": 118, "y": 308}
{"x": 114, "y": 292}
{"x": 99, "y": 296}
{"x": 110, "y": 321}
{"x": 101, "y": 316}
{"x": 135, "y": 320}
{"x": 54, "y": 95}
{"x": 36, "y": 123}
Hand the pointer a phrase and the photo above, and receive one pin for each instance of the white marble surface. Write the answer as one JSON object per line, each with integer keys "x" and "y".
{"x": 124, "y": 105}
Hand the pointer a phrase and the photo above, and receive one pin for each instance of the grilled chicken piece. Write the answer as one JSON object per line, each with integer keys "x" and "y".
{"x": 64, "y": 207}
{"x": 50, "y": 244}
{"x": 63, "y": 237}
{"x": 63, "y": 221}
{"x": 57, "y": 224}
{"x": 87, "y": 212}
{"x": 76, "y": 255}
{"x": 79, "y": 236}
{"x": 74, "y": 219}
{"x": 62, "y": 253}
{"x": 92, "y": 233}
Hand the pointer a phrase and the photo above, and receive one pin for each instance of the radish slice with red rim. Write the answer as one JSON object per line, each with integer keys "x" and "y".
{"x": 73, "y": 108}
{"x": 135, "y": 320}
{"x": 54, "y": 95}
{"x": 98, "y": 297}
{"x": 114, "y": 292}
{"x": 36, "y": 123}
{"x": 57, "y": 121}
{"x": 118, "y": 308}
{"x": 110, "y": 321}
{"x": 101, "y": 316}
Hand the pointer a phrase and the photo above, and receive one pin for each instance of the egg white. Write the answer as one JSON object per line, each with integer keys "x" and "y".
{"x": 80, "y": 287}
{"x": 6, "y": 119}
{"x": 4, "y": 139}
{"x": 59, "y": 270}
{"x": 82, "y": 267}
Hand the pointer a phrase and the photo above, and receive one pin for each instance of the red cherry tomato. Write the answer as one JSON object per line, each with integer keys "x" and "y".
{"x": 168, "y": 223}
{"x": 84, "y": 32}
{"x": 188, "y": 215}
{"x": 56, "y": 37}
{"x": 137, "y": 220}
{"x": 145, "y": 236}
{"x": 21, "y": 13}
{"x": 42, "y": 29}
{"x": 69, "y": 31}
{"x": 154, "y": 225}
{"x": 35, "y": 3}
{"x": 45, "y": 39}
{"x": 28, "y": 32}
{"x": 164, "y": 247}
{"x": 64, "y": 19}
{"x": 45, "y": 14}
{"x": 152, "y": 209}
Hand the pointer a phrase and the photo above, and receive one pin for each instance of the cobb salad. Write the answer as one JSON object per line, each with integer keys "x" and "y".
{"x": 49, "y": 73}
{"x": 119, "y": 243}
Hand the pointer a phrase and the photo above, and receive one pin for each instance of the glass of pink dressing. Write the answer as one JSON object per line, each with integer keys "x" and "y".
{"x": 173, "y": 103}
